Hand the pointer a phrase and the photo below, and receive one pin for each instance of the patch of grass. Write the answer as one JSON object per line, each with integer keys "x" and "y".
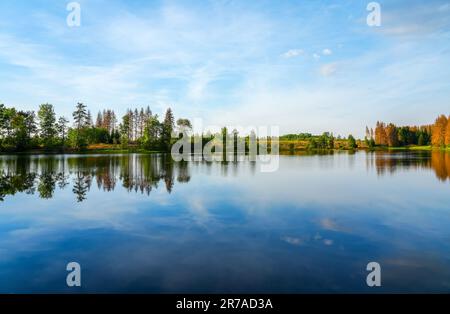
{"x": 417, "y": 147}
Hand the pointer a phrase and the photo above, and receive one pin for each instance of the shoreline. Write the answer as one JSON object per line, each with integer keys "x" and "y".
{"x": 281, "y": 151}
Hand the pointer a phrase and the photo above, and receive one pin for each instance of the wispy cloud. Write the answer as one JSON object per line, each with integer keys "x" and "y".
{"x": 328, "y": 69}
{"x": 231, "y": 61}
{"x": 293, "y": 53}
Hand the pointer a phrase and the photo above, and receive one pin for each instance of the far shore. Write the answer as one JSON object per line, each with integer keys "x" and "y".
{"x": 118, "y": 149}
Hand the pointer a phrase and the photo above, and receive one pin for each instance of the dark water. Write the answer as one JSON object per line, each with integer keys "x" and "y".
{"x": 140, "y": 223}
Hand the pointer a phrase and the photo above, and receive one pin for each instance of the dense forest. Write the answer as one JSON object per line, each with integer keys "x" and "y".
{"x": 141, "y": 129}
{"x": 26, "y": 130}
{"x": 436, "y": 135}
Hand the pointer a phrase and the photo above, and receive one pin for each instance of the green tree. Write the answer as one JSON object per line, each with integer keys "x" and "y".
{"x": 152, "y": 133}
{"x": 312, "y": 144}
{"x": 184, "y": 123}
{"x": 20, "y": 133}
{"x": 3, "y": 119}
{"x": 351, "y": 142}
{"x": 167, "y": 129}
{"x": 6, "y": 116}
{"x": 125, "y": 130}
{"x": 30, "y": 123}
{"x": 61, "y": 127}
{"x": 47, "y": 124}
{"x": 421, "y": 140}
{"x": 80, "y": 117}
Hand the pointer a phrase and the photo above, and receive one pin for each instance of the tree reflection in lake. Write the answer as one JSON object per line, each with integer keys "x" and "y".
{"x": 390, "y": 162}
{"x": 44, "y": 173}
{"x": 312, "y": 226}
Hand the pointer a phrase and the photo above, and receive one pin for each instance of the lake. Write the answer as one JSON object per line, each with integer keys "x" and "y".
{"x": 143, "y": 223}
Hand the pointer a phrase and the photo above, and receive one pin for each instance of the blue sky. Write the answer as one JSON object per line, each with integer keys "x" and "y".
{"x": 307, "y": 66}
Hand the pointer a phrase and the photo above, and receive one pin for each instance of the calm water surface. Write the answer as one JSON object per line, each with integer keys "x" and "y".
{"x": 141, "y": 223}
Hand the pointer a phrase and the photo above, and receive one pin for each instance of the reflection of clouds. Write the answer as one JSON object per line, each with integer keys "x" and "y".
{"x": 314, "y": 211}
{"x": 328, "y": 242}
{"x": 293, "y": 241}
{"x": 41, "y": 223}
{"x": 198, "y": 209}
{"x": 299, "y": 241}
{"x": 331, "y": 225}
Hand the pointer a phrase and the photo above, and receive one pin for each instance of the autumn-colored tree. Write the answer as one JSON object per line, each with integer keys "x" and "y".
{"x": 391, "y": 135}
{"x": 447, "y": 132}
{"x": 438, "y": 131}
{"x": 380, "y": 134}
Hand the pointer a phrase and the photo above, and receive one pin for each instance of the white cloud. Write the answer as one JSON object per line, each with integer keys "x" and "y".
{"x": 292, "y": 53}
{"x": 224, "y": 64}
{"x": 326, "y": 52}
{"x": 328, "y": 69}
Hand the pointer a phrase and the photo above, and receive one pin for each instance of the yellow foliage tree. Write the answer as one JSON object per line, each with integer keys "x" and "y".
{"x": 438, "y": 131}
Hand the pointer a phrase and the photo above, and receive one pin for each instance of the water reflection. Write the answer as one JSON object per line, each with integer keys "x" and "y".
{"x": 391, "y": 162}
{"x": 311, "y": 226}
{"x": 44, "y": 174}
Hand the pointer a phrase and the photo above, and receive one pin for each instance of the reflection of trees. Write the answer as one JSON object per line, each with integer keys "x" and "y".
{"x": 81, "y": 185}
{"x": 168, "y": 173}
{"x": 183, "y": 172}
{"x": 440, "y": 162}
{"x": 12, "y": 184}
{"x": 138, "y": 173}
{"x": 386, "y": 162}
{"x": 46, "y": 185}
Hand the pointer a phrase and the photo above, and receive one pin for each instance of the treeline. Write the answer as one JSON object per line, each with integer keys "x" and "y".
{"x": 320, "y": 142}
{"x": 437, "y": 134}
{"x": 25, "y": 130}
{"x": 296, "y": 137}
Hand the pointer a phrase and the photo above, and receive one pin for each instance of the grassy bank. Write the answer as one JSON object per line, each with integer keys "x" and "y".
{"x": 416, "y": 147}
{"x": 91, "y": 149}
{"x": 285, "y": 147}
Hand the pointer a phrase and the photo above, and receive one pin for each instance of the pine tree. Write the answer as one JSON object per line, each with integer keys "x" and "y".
{"x": 80, "y": 116}
{"x": 89, "y": 119}
{"x": 141, "y": 122}
{"x": 47, "y": 123}
{"x": 167, "y": 128}
{"x": 136, "y": 124}
{"x": 62, "y": 128}
{"x": 99, "y": 122}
